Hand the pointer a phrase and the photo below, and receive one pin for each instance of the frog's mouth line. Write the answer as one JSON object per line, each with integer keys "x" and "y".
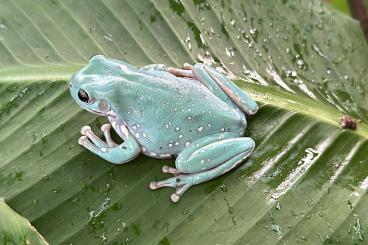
{"x": 110, "y": 113}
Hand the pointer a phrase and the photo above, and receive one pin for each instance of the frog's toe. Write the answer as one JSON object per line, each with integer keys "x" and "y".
{"x": 179, "y": 192}
{"x": 87, "y": 131}
{"x": 106, "y": 131}
{"x": 169, "y": 170}
{"x": 82, "y": 140}
{"x": 153, "y": 185}
{"x": 187, "y": 66}
{"x": 180, "y": 72}
{"x": 159, "y": 184}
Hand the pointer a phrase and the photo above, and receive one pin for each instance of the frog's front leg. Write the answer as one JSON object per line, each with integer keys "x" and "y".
{"x": 110, "y": 150}
{"x": 203, "y": 160}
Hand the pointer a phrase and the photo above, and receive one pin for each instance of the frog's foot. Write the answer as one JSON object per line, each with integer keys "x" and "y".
{"x": 110, "y": 150}
{"x": 180, "y": 182}
{"x": 203, "y": 160}
{"x": 185, "y": 73}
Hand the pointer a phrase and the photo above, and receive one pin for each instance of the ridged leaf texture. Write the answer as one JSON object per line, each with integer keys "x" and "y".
{"x": 305, "y": 64}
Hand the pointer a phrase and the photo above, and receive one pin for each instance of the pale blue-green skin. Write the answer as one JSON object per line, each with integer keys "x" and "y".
{"x": 196, "y": 120}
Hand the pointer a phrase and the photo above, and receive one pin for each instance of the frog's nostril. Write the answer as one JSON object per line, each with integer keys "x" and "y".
{"x": 70, "y": 85}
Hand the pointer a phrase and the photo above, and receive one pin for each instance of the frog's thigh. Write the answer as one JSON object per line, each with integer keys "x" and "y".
{"x": 210, "y": 152}
{"x": 224, "y": 88}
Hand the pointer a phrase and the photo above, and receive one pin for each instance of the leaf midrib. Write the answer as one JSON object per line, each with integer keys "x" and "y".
{"x": 270, "y": 95}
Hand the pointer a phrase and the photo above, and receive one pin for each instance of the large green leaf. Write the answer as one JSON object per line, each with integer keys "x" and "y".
{"x": 306, "y": 181}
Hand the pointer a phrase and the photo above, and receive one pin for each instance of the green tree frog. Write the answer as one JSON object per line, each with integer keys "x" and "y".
{"x": 194, "y": 114}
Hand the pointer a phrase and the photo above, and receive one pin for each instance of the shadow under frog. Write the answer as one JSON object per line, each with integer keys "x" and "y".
{"x": 194, "y": 114}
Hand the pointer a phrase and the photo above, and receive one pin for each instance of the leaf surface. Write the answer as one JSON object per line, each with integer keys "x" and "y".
{"x": 306, "y": 65}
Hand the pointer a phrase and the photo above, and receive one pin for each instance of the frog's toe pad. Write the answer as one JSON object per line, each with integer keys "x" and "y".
{"x": 187, "y": 66}
{"x": 83, "y": 140}
{"x": 174, "y": 197}
{"x": 154, "y": 185}
{"x": 85, "y": 130}
{"x": 106, "y": 127}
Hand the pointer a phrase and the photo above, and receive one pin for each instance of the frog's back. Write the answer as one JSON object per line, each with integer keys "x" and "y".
{"x": 166, "y": 115}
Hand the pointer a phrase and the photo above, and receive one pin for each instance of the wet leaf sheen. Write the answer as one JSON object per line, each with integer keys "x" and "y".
{"x": 304, "y": 63}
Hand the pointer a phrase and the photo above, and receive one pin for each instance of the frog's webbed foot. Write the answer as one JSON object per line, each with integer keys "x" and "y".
{"x": 179, "y": 182}
{"x": 110, "y": 150}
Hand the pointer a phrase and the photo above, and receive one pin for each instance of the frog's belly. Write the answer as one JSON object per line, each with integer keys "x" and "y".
{"x": 162, "y": 138}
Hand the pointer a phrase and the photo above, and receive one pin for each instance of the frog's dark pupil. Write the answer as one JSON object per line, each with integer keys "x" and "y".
{"x": 83, "y": 96}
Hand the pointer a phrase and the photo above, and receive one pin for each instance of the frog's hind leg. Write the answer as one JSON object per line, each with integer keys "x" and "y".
{"x": 224, "y": 88}
{"x": 203, "y": 160}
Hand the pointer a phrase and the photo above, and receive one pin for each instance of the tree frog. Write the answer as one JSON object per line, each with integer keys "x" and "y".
{"x": 194, "y": 114}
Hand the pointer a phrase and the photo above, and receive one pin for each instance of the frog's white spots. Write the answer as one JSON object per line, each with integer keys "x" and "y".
{"x": 137, "y": 135}
{"x": 144, "y": 135}
{"x": 135, "y": 127}
{"x": 209, "y": 125}
{"x": 200, "y": 129}
{"x": 165, "y": 155}
{"x": 180, "y": 136}
{"x": 152, "y": 154}
{"x": 202, "y": 161}
{"x": 167, "y": 126}
{"x": 170, "y": 145}
{"x": 177, "y": 129}
{"x": 209, "y": 111}
{"x": 189, "y": 109}
{"x": 208, "y": 160}
{"x": 222, "y": 130}
{"x": 189, "y": 118}
{"x": 138, "y": 126}
{"x": 197, "y": 145}
{"x": 103, "y": 149}
{"x": 187, "y": 143}
{"x": 176, "y": 143}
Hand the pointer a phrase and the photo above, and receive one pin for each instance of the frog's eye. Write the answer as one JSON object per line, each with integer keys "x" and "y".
{"x": 83, "y": 96}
